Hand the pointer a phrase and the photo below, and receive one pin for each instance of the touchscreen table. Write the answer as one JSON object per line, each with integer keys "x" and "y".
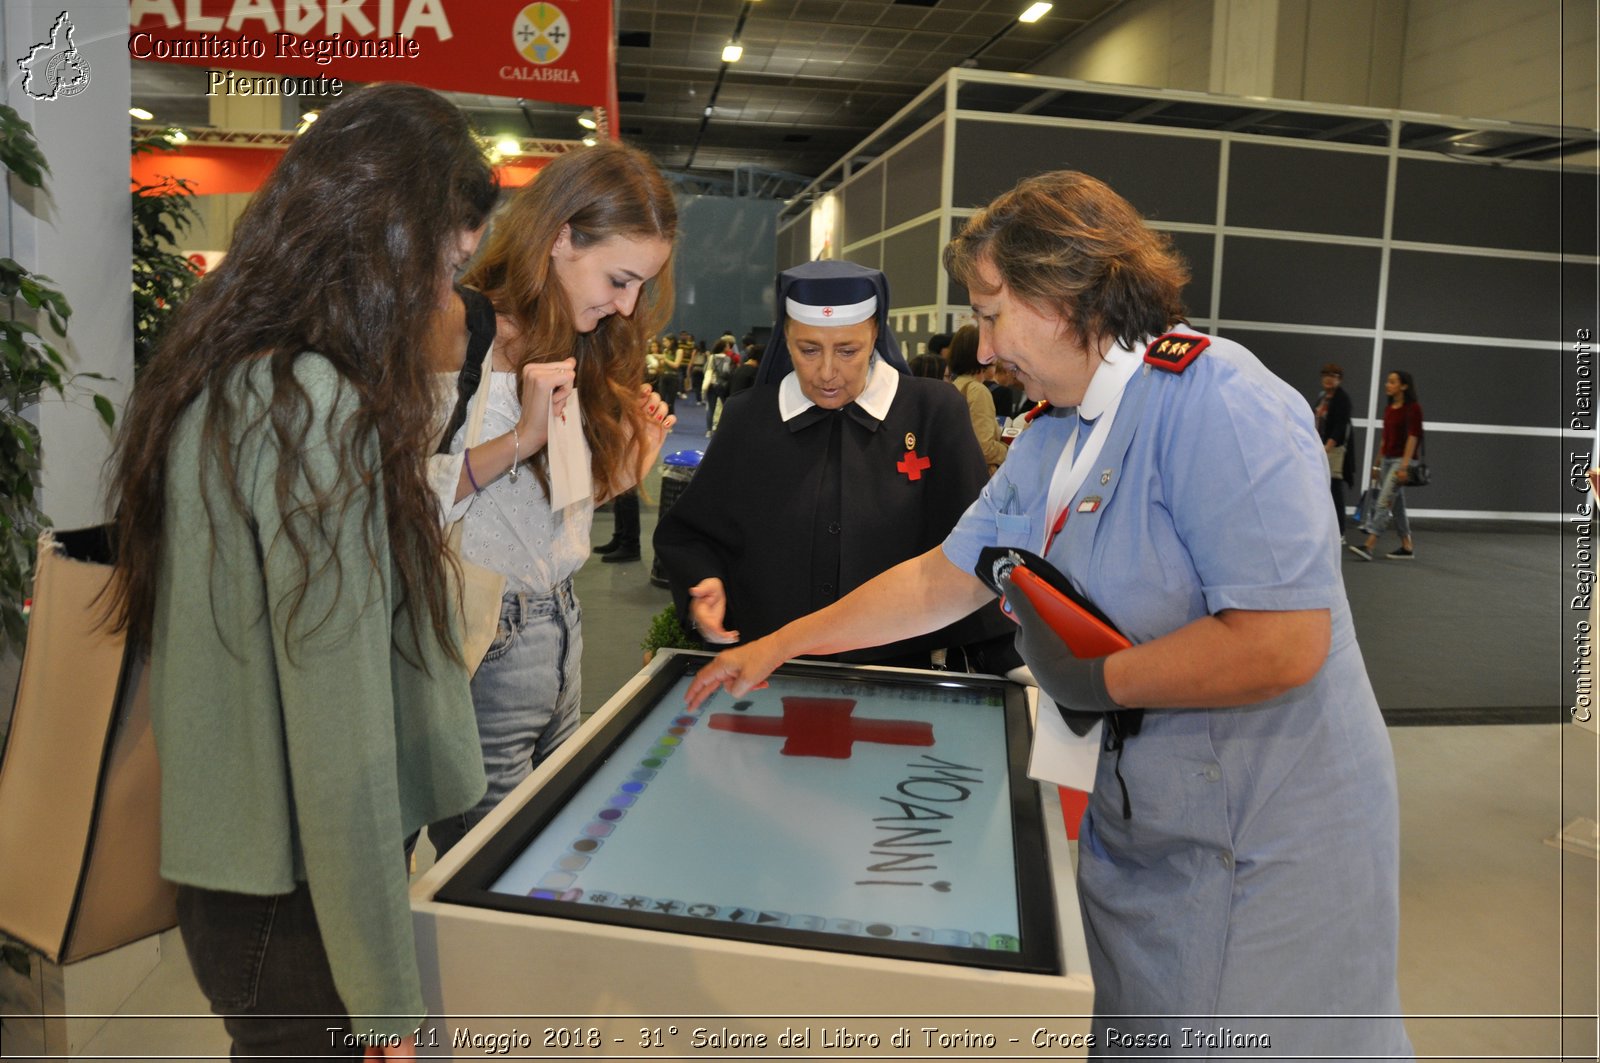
{"x": 876, "y": 812}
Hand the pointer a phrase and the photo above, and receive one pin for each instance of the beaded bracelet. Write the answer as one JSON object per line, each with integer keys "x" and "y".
{"x": 466, "y": 463}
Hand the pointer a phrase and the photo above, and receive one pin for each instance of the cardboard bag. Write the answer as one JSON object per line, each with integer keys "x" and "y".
{"x": 480, "y": 592}
{"x": 80, "y": 812}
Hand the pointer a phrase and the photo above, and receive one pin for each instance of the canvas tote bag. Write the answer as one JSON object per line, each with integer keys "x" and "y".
{"x": 80, "y": 814}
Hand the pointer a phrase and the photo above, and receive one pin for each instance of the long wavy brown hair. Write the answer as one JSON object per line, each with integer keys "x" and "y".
{"x": 343, "y": 252}
{"x": 1067, "y": 243}
{"x": 604, "y": 191}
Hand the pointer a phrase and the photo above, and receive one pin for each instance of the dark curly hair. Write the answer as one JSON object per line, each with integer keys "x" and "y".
{"x": 963, "y": 352}
{"x": 343, "y": 251}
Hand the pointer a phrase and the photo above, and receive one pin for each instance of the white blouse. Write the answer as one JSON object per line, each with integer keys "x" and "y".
{"x": 508, "y": 527}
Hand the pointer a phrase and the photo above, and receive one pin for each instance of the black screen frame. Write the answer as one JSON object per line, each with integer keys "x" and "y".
{"x": 1036, "y": 909}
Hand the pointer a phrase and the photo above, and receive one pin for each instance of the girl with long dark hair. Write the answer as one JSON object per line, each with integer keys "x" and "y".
{"x": 281, "y": 558}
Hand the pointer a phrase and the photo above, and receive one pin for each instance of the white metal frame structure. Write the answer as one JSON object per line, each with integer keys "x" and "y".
{"x": 1487, "y": 433}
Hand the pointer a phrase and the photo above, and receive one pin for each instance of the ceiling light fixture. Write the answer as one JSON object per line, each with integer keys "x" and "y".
{"x": 177, "y": 136}
{"x": 508, "y": 146}
{"x": 589, "y": 120}
{"x": 1033, "y": 14}
{"x": 589, "y": 141}
{"x": 731, "y": 52}
{"x": 140, "y": 113}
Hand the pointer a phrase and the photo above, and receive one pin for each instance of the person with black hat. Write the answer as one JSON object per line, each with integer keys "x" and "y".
{"x": 836, "y": 466}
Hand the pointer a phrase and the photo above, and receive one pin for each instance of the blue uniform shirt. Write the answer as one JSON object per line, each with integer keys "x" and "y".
{"x": 1259, "y": 871}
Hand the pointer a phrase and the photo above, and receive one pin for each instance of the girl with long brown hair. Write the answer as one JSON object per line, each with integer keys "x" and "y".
{"x": 282, "y": 560}
{"x": 576, "y": 268}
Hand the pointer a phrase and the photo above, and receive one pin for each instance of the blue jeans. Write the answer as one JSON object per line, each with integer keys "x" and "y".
{"x": 527, "y": 694}
{"x": 1391, "y": 504}
{"x": 261, "y": 964}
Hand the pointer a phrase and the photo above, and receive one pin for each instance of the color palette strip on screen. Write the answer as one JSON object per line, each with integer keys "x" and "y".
{"x": 560, "y": 882}
{"x": 750, "y": 915}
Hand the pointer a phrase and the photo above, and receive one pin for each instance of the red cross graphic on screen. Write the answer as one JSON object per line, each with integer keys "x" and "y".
{"x": 825, "y": 727}
{"x": 913, "y": 465}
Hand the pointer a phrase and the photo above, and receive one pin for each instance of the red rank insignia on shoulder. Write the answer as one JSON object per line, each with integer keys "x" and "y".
{"x": 1175, "y": 351}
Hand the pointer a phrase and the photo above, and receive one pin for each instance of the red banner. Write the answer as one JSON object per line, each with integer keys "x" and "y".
{"x": 562, "y": 52}
{"x": 213, "y": 170}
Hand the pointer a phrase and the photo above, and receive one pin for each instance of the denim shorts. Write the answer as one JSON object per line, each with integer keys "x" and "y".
{"x": 527, "y": 694}
{"x": 262, "y": 966}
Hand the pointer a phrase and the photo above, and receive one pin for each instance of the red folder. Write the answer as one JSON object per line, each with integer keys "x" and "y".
{"x": 1081, "y": 625}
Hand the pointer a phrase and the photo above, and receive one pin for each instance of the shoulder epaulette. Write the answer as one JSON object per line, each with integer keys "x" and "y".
{"x": 1175, "y": 351}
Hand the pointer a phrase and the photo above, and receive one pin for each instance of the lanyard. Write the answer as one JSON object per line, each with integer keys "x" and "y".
{"x": 1071, "y": 471}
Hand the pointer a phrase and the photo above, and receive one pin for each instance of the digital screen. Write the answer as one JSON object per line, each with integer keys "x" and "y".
{"x": 836, "y": 808}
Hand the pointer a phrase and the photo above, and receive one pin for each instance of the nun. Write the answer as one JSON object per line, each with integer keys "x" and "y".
{"x": 838, "y": 465}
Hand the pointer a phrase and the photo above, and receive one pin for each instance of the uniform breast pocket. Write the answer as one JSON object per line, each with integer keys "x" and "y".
{"x": 1013, "y": 529}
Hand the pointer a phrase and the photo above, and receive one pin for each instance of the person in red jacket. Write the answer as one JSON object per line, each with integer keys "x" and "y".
{"x": 1402, "y": 436}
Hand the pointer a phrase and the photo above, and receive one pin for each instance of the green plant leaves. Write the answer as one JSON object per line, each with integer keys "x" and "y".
{"x": 19, "y": 151}
{"x": 162, "y": 278}
{"x": 30, "y": 366}
{"x": 667, "y": 633}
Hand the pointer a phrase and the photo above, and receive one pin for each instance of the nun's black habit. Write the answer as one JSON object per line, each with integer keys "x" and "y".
{"x": 792, "y": 514}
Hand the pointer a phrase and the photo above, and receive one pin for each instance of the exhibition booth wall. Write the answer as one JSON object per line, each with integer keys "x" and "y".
{"x": 1314, "y": 233}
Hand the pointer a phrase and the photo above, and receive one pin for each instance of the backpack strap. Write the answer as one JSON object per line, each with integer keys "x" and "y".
{"x": 480, "y": 336}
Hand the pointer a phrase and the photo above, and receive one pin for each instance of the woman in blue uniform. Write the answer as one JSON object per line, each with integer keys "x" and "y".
{"x": 1239, "y": 856}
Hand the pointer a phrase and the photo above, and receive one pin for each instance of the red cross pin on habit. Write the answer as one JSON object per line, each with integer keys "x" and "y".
{"x": 913, "y": 464}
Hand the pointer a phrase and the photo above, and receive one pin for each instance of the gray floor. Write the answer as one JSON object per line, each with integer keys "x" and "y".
{"x": 1498, "y": 935}
{"x": 1471, "y": 626}
{"x": 1472, "y": 630}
